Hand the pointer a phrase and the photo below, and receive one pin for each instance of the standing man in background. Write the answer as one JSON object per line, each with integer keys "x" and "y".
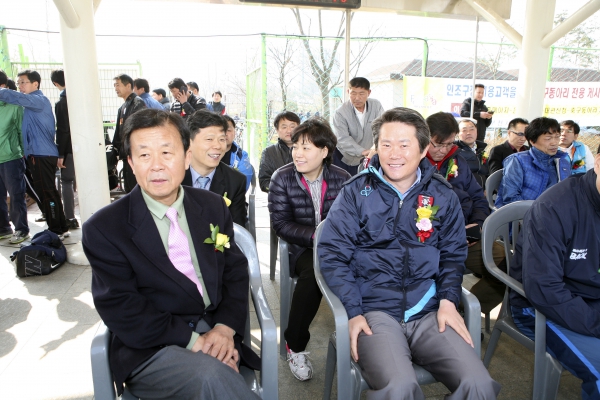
{"x": 352, "y": 126}
{"x": 66, "y": 163}
{"x": 38, "y": 145}
{"x": 12, "y": 170}
{"x": 216, "y": 106}
{"x": 185, "y": 103}
{"x": 124, "y": 89}
{"x": 141, "y": 88}
{"x": 161, "y": 96}
{"x": 480, "y": 111}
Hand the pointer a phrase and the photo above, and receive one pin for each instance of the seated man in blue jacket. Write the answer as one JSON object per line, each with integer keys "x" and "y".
{"x": 559, "y": 271}
{"x": 527, "y": 174}
{"x": 236, "y": 157}
{"x": 393, "y": 250}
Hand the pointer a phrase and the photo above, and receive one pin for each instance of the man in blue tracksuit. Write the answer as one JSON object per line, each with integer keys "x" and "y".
{"x": 527, "y": 174}
{"x": 38, "y": 145}
{"x": 557, "y": 257}
{"x": 393, "y": 250}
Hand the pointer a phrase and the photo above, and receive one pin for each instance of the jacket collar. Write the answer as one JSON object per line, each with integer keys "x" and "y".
{"x": 590, "y": 189}
{"x": 438, "y": 164}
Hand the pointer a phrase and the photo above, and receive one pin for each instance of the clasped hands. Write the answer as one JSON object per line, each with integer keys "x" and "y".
{"x": 218, "y": 343}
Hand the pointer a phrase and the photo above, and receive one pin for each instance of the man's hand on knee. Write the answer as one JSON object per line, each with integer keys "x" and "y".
{"x": 357, "y": 325}
{"x": 448, "y": 315}
{"x": 218, "y": 342}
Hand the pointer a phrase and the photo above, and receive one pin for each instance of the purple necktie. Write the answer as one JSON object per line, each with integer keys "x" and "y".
{"x": 179, "y": 250}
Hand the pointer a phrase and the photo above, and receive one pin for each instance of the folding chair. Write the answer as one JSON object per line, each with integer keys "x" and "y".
{"x": 547, "y": 369}
{"x": 267, "y": 387}
{"x": 349, "y": 379}
{"x": 287, "y": 285}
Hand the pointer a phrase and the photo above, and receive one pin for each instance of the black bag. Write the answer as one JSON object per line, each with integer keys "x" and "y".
{"x": 45, "y": 254}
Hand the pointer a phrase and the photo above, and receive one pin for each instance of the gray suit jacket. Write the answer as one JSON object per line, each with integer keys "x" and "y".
{"x": 352, "y": 138}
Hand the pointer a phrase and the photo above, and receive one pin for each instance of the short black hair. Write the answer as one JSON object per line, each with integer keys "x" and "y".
{"x": 125, "y": 79}
{"x": 3, "y": 78}
{"x": 160, "y": 92}
{"x": 407, "y": 116}
{"x": 217, "y": 92}
{"x": 193, "y": 85}
{"x": 33, "y": 76}
{"x": 479, "y": 85}
{"x": 176, "y": 83}
{"x": 572, "y": 124}
{"x": 290, "y": 116}
{"x": 358, "y": 82}
{"x": 11, "y": 85}
{"x": 539, "y": 127}
{"x": 229, "y": 119}
{"x": 150, "y": 118}
{"x": 58, "y": 76}
{"x": 442, "y": 126}
{"x": 317, "y": 131}
{"x": 203, "y": 119}
{"x": 141, "y": 83}
{"x": 513, "y": 123}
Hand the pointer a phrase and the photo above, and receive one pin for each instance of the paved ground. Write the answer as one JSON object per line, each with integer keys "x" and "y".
{"x": 47, "y": 324}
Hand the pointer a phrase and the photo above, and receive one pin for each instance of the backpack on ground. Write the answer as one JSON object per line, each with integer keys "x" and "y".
{"x": 45, "y": 254}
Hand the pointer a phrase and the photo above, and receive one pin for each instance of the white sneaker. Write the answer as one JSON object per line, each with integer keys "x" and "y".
{"x": 299, "y": 364}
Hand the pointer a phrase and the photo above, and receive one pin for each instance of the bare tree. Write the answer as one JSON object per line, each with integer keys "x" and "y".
{"x": 322, "y": 64}
{"x": 494, "y": 60}
{"x": 578, "y": 42}
{"x": 283, "y": 59}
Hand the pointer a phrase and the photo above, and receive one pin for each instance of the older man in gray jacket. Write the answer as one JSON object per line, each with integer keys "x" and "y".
{"x": 352, "y": 125}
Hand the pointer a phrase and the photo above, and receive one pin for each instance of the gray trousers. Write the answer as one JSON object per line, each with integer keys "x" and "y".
{"x": 178, "y": 373}
{"x": 386, "y": 360}
{"x": 67, "y": 177}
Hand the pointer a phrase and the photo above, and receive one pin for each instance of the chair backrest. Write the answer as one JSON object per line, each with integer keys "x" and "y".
{"x": 491, "y": 187}
{"x": 252, "y": 205}
{"x": 504, "y": 223}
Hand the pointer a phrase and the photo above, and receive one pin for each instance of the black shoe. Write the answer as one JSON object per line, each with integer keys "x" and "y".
{"x": 41, "y": 219}
{"x": 72, "y": 223}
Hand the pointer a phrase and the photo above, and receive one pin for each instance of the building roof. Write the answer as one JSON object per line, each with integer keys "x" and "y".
{"x": 464, "y": 70}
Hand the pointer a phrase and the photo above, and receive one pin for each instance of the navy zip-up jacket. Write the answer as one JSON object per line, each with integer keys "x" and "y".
{"x": 370, "y": 254}
{"x": 557, "y": 255}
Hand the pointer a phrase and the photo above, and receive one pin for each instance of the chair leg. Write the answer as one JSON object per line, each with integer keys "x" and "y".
{"x": 489, "y": 352}
{"x": 487, "y": 322}
{"x": 274, "y": 248}
{"x": 329, "y": 371}
{"x": 547, "y": 380}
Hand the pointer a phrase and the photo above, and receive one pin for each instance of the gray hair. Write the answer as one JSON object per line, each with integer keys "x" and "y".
{"x": 407, "y": 116}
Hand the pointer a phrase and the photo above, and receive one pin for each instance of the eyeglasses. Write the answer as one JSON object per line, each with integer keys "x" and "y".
{"x": 518, "y": 133}
{"x": 21, "y": 83}
{"x": 442, "y": 146}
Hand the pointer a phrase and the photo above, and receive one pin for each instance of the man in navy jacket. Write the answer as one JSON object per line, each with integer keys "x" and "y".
{"x": 557, "y": 258}
{"x": 393, "y": 250}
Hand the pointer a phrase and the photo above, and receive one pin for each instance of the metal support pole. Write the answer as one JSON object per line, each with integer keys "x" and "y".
{"x": 425, "y": 59}
{"x": 5, "y": 64}
{"x": 264, "y": 109}
{"x": 347, "y": 54}
{"x": 85, "y": 108}
{"x": 550, "y": 60}
{"x": 539, "y": 18}
{"x": 475, "y": 65}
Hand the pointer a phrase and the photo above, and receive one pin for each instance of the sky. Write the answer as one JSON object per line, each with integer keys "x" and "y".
{"x": 212, "y": 60}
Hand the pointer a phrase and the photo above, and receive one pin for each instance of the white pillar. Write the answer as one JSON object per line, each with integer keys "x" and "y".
{"x": 539, "y": 17}
{"x": 85, "y": 110}
{"x": 347, "y": 54}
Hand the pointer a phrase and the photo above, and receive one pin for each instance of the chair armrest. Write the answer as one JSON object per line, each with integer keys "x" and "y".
{"x": 472, "y": 318}
{"x": 104, "y": 389}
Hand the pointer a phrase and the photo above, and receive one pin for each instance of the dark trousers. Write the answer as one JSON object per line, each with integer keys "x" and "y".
{"x": 305, "y": 303}
{"x": 12, "y": 180}
{"x": 337, "y": 160}
{"x": 67, "y": 179}
{"x": 489, "y": 290}
{"x": 129, "y": 180}
{"x": 43, "y": 173}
